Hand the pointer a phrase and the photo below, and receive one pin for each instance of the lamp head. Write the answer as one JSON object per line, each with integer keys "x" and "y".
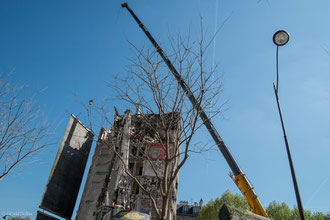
{"x": 281, "y": 37}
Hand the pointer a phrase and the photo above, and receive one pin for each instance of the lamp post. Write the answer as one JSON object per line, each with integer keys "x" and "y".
{"x": 280, "y": 38}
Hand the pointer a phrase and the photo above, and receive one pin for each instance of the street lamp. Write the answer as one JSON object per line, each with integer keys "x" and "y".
{"x": 280, "y": 38}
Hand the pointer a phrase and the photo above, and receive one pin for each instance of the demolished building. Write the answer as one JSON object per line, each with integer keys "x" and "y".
{"x": 134, "y": 153}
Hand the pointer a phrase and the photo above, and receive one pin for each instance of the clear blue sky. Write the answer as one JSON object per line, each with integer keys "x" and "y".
{"x": 68, "y": 47}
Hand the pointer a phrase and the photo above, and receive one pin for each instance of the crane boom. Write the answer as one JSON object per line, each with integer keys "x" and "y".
{"x": 240, "y": 179}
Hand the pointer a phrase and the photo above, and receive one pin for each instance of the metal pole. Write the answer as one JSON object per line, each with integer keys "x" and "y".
{"x": 295, "y": 184}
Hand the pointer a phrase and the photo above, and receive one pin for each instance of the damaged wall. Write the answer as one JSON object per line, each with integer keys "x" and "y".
{"x": 67, "y": 172}
{"x": 95, "y": 182}
{"x": 135, "y": 138}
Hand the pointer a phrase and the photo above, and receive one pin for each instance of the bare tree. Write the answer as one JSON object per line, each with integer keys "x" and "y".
{"x": 22, "y": 135}
{"x": 168, "y": 117}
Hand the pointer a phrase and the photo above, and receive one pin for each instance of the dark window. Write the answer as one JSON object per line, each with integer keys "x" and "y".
{"x": 138, "y": 169}
{"x": 130, "y": 167}
{"x": 136, "y": 189}
{"x": 134, "y": 151}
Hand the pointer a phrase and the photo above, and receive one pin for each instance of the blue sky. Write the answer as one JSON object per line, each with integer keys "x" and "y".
{"x": 75, "y": 47}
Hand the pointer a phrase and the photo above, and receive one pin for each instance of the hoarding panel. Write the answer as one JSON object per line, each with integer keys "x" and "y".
{"x": 65, "y": 178}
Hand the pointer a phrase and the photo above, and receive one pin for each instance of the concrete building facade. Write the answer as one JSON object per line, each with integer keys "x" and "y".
{"x": 133, "y": 148}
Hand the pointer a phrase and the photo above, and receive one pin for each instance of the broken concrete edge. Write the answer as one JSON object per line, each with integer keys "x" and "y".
{"x": 75, "y": 118}
{"x": 174, "y": 114}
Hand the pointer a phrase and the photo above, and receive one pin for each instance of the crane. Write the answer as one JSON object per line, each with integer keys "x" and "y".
{"x": 237, "y": 175}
